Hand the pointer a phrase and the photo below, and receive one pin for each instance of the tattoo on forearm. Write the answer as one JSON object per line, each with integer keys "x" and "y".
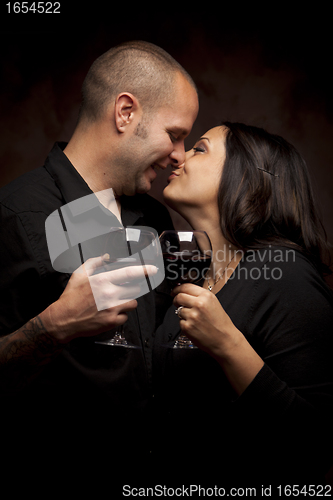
{"x": 24, "y": 353}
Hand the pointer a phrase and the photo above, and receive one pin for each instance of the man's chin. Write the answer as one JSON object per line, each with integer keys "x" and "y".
{"x": 141, "y": 189}
{"x": 144, "y": 186}
{"x": 140, "y": 186}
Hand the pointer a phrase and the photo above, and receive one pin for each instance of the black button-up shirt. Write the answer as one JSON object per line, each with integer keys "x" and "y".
{"x": 100, "y": 385}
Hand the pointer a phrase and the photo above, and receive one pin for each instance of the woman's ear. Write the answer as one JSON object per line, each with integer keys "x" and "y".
{"x": 126, "y": 107}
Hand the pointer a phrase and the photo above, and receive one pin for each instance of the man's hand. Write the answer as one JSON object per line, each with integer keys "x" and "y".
{"x": 75, "y": 313}
{"x": 25, "y": 353}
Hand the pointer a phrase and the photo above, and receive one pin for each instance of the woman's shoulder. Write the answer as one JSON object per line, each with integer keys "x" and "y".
{"x": 278, "y": 289}
{"x": 279, "y": 259}
{"x": 285, "y": 270}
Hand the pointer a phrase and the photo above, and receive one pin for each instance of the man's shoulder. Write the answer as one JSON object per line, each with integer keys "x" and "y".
{"x": 152, "y": 206}
{"x": 150, "y": 202}
{"x": 146, "y": 204}
{"x": 150, "y": 211}
{"x": 33, "y": 191}
{"x": 147, "y": 201}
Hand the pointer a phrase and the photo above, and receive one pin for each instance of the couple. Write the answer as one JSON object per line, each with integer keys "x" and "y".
{"x": 254, "y": 401}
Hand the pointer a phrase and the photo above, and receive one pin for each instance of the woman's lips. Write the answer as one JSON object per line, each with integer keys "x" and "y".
{"x": 172, "y": 176}
{"x": 177, "y": 172}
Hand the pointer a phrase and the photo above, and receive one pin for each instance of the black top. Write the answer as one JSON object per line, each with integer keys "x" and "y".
{"x": 280, "y": 428}
{"x": 89, "y": 387}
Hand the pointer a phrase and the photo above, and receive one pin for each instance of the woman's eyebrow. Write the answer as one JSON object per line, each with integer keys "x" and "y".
{"x": 205, "y": 138}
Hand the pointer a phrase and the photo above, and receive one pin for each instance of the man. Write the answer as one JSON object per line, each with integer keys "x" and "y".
{"x": 138, "y": 106}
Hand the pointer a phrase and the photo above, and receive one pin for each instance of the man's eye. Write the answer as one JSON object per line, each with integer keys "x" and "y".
{"x": 172, "y": 137}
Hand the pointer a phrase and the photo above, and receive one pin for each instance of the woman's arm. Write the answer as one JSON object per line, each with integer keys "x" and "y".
{"x": 204, "y": 321}
{"x": 281, "y": 367}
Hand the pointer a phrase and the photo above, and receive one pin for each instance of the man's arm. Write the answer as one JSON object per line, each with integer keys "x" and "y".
{"x": 25, "y": 352}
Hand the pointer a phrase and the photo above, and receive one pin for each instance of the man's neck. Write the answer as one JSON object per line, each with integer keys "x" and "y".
{"x": 88, "y": 161}
{"x": 90, "y": 157}
{"x": 107, "y": 198}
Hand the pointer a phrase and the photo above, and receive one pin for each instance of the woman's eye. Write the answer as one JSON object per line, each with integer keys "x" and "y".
{"x": 199, "y": 150}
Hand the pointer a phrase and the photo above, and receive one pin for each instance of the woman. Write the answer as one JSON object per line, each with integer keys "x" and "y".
{"x": 253, "y": 404}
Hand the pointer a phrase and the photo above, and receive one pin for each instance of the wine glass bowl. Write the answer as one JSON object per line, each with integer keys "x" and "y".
{"x": 126, "y": 247}
{"x": 187, "y": 257}
{"x": 186, "y": 254}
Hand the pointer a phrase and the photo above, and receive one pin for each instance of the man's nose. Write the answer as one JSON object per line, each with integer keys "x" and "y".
{"x": 178, "y": 154}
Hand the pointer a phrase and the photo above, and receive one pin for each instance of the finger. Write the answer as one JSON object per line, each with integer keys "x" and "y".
{"x": 121, "y": 319}
{"x": 128, "y": 292}
{"x": 128, "y": 274}
{"x": 92, "y": 265}
{"x": 183, "y": 299}
{"x": 130, "y": 305}
{"x": 188, "y": 288}
{"x": 106, "y": 301}
{"x": 107, "y": 294}
{"x": 181, "y": 312}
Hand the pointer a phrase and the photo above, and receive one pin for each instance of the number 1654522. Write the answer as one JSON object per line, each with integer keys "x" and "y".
{"x": 34, "y": 7}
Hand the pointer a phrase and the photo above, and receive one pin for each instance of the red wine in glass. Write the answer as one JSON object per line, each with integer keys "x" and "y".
{"x": 185, "y": 267}
{"x": 125, "y": 247}
{"x": 187, "y": 257}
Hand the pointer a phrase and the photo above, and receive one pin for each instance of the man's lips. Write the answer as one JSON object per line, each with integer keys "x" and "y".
{"x": 153, "y": 170}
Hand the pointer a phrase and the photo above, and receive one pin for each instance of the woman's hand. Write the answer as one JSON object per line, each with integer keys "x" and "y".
{"x": 205, "y": 322}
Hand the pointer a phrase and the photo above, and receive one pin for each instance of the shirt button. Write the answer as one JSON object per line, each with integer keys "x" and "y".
{"x": 146, "y": 342}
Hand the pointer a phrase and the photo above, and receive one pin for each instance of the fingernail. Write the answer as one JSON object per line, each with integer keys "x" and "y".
{"x": 153, "y": 270}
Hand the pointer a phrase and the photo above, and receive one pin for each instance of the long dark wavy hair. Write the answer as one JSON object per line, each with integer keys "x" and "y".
{"x": 266, "y": 198}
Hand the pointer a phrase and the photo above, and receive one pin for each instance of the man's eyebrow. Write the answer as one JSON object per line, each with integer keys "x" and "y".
{"x": 179, "y": 131}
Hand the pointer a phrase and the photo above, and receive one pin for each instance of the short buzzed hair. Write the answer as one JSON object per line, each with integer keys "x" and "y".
{"x": 141, "y": 68}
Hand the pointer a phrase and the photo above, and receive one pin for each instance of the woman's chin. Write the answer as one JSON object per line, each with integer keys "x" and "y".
{"x": 168, "y": 198}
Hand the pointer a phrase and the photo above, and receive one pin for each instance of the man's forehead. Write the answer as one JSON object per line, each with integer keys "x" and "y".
{"x": 181, "y": 116}
{"x": 186, "y": 115}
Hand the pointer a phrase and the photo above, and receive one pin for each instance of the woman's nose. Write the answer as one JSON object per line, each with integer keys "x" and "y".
{"x": 187, "y": 153}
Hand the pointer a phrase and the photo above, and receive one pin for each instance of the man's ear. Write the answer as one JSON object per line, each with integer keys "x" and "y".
{"x": 126, "y": 107}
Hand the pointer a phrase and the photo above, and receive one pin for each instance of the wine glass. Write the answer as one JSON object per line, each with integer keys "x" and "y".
{"x": 187, "y": 256}
{"x": 132, "y": 246}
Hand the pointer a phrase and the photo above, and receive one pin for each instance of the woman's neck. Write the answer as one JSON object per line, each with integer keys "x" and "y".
{"x": 225, "y": 255}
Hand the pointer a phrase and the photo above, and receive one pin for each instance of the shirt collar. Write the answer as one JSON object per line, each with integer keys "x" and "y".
{"x": 68, "y": 180}
{"x": 72, "y": 186}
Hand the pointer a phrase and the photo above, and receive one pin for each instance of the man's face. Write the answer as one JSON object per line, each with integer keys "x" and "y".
{"x": 158, "y": 140}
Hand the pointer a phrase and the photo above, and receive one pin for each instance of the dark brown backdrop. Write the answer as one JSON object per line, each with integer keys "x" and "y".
{"x": 264, "y": 68}
{"x": 267, "y": 67}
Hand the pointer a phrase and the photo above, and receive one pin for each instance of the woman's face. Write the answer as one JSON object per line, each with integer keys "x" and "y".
{"x": 195, "y": 183}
